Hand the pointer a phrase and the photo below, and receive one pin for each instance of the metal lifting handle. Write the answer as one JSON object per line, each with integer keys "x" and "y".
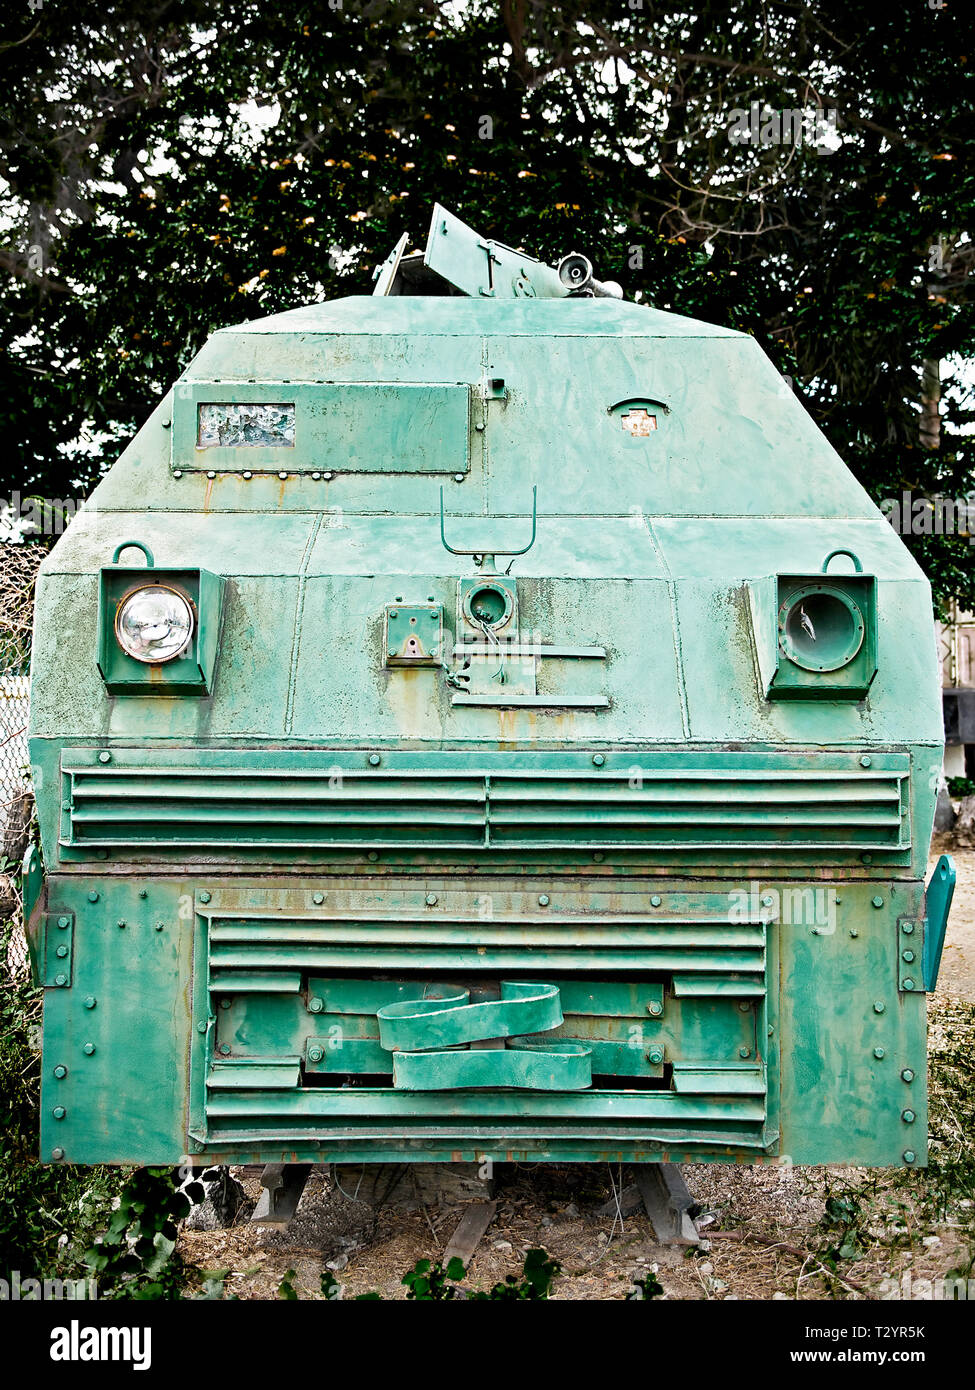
{"x": 832, "y": 555}
{"x": 487, "y": 550}
{"x": 125, "y": 545}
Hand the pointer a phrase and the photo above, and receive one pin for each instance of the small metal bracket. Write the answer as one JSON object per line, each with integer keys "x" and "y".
{"x": 937, "y": 902}
{"x": 58, "y": 937}
{"x": 414, "y": 634}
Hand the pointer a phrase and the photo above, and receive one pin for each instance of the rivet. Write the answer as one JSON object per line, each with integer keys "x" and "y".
{"x": 65, "y": 805}
{"x": 328, "y": 477}
{"x": 316, "y": 476}
{"x": 907, "y": 1075}
{"x": 907, "y": 928}
{"x": 89, "y": 1049}
{"x": 745, "y": 1007}
{"x": 143, "y": 893}
{"x": 372, "y": 856}
{"x": 315, "y": 1054}
{"x": 315, "y": 1005}
{"x": 211, "y": 473}
{"x": 318, "y": 898}
{"x": 120, "y": 922}
{"x": 767, "y": 901}
{"x": 63, "y": 922}
{"x": 908, "y": 1116}
{"x": 177, "y": 472}
{"x": 282, "y": 475}
{"x": 393, "y": 613}
{"x": 909, "y": 1156}
{"x": 93, "y": 896}
{"x": 225, "y": 1049}
{"x": 60, "y": 1072}
{"x": 543, "y": 900}
{"x": 854, "y": 932}
{"x": 248, "y": 473}
{"x": 598, "y": 759}
{"x": 160, "y": 926}
{"x": 90, "y": 1001}
{"x": 374, "y": 759}
{"x": 60, "y": 979}
{"x": 57, "y": 1154}
{"x": 744, "y": 1052}
{"x": 458, "y": 477}
{"x": 598, "y": 857}
{"x": 877, "y": 901}
{"x": 431, "y": 900}
{"x": 865, "y": 760}
{"x": 204, "y": 896}
{"x": 655, "y": 1056}
{"x": 879, "y": 1006}
{"x": 61, "y": 952}
{"x": 479, "y": 427}
{"x": 908, "y": 985}
{"x": 655, "y": 1009}
{"x": 225, "y": 1003}
{"x": 907, "y": 955}
{"x": 866, "y": 858}
{"x": 59, "y": 1112}
{"x": 655, "y": 900}
{"x": 880, "y": 1053}
{"x": 104, "y": 757}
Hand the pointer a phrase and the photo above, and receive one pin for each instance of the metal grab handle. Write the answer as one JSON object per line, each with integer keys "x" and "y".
{"x": 125, "y": 545}
{"x": 416, "y": 1025}
{"x": 832, "y": 555}
{"x": 492, "y": 550}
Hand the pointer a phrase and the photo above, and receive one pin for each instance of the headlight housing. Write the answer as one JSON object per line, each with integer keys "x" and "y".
{"x": 154, "y": 623}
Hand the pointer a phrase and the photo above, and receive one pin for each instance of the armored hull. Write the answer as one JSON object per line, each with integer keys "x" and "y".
{"x": 422, "y": 848}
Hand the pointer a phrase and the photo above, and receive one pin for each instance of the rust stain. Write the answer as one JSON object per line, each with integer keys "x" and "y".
{"x": 208, "y": 493}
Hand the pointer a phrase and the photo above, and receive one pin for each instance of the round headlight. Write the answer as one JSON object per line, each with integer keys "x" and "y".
{"x": 154, "y": 624}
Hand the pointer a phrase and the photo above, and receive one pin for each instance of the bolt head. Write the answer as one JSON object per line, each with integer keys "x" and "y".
{"x": 374, "y": 759}
{"x": 61, "y": 952}
{"x": 104, "y": 757}
{"x": 57, "y": 1154}
{"x": 655, "y": 1056}
{"x": 315, "y": 1054}
{"x": 655, "y": 900}
{"x": 318, "y": 898}
{"x": 877, "y": 901}
{"x": 225, "y": 1049}
{"x": 120, "y": 922}
{"x": 372, "y": 856}
{"x": 907, "y": 1075}
{"x": 60, "y": 1072}
{"x": 88, "y": 1049}
{"x": 201, "y": 1027}
{"x": 59, "y": 1112}
{"x": 880, "y": 1052}
{"x": 90, "y": 1001}
{"x": 866, "y": 858}
{"x": 60, "y": 979}
{"x": 143, "y": 892}
{"x": 865, "y": 760}
{"x": 655, "y": 1009}
{"x": 543, "y": 900}
{"x": 908, "y": 1116}
{"x": 63, "y": 922}
{"x": 598, "y": 857}
{"x": 93, "y": 896}
{"x": 204, "y": 896}
{"x": 879, "y": 1006}
{"x": 908, "y": 985}
{"x": 598, "y": 759}
{"x": 909, "y": 1156}
{"x": 159, "y": 926}
{"x": 315, "y": 1005}
{"x": 907, "y": 928}
{"x": 907, "y": 955}
{"x": 744, "y": 1052}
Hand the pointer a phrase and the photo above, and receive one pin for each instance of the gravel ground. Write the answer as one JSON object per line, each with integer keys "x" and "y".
{"x": 768, "y": 1237}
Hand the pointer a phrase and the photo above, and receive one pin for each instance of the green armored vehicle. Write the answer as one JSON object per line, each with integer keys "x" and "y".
{"x": 483, "y": 720}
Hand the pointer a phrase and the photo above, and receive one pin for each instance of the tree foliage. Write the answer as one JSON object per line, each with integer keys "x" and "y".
{"x": 172, "y": 166}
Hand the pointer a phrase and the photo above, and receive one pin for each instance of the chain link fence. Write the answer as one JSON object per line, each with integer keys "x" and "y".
{"x": 18, "y": 571}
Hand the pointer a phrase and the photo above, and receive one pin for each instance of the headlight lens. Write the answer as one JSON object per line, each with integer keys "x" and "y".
{"x": 154, "y": 624}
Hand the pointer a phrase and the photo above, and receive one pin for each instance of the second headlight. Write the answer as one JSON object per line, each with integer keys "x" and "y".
{"x": 154, "y": 623}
